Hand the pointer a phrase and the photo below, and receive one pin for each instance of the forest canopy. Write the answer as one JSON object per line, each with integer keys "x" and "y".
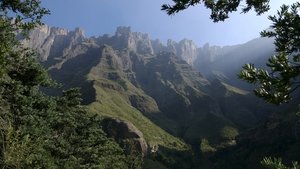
{"x": 38, "y": 130}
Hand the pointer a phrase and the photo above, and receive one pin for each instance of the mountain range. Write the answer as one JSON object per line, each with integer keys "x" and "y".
{"x": 174, "y": 96}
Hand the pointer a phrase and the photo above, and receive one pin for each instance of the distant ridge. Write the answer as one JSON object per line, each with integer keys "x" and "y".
{"x": 176, "y": 94}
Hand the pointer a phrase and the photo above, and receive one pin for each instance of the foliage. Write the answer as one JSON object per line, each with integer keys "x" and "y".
{"x": 276, "y": 85}
{"x": 276, "y": 163}
{"x": 229, "y": 132}
{"x": 205, "y": 147}
{"x": 220, "y": 9}
{"x": 113, "y": 103}
{"x": 77, "y": 138}
{"x": 168, "y": 158}
{"x": 16, "y": 16}
{"x": 40, "y": 131}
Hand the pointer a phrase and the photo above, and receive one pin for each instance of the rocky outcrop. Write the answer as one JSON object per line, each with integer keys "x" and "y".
{"x": 139, "y": 42}
{"x": 188, "y": 51}
{"x": 124, "y": 38}
{"x": 126, "y": 134}
{"x": 158, "y": 46}
{"x": 52, "y": 42}
{"x": 43, "y": 38}
{"x": 184, "y": 49}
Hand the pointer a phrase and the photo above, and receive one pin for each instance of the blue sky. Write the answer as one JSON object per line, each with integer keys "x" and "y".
{"x": 98, "y": 17}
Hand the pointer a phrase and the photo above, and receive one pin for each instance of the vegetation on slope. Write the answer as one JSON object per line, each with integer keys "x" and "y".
{"x": 113, "y": 100}
{"x": 37, "y": 130}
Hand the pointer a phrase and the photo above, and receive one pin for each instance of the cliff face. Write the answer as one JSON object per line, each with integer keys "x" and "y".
{"x": 184, "y": 49}
{"x": 154, "y": 86}
{"x": 125, "y": 39}
{"x": 226, "y": 62}
{"x": 55, "y": 44}
{"x": 51, "y": 42}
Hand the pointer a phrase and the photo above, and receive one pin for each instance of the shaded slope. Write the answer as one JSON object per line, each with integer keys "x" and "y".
{"x": 130, "y": 77}
{"x": 277, "y": 137}
{"x": 106, "y": 87}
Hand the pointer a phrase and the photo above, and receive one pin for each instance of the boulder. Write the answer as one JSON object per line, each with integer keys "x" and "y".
{"x": 126, "y": 134}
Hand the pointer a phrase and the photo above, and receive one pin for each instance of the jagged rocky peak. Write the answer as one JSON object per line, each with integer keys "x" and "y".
{"x": 136, "y": 41}
{"x": 157, "y": 46}
{"x": 52, "y": 40}
{"x": 185, "y": 49}
{"x": 47, "y": 30}
{"x": 59, "y": 31}
{"x": 172, "y": 46}
{"x": 56, "y": 42}
{"x": 43, "y": 38}
{"x": 123, "y": 31}
{"x": 208, "y": 53}
{"x": 44, "y": 31}
{"x": 77, "y": 35}
{"x": 188, "y": 51}
{"x": 79, "y": 31}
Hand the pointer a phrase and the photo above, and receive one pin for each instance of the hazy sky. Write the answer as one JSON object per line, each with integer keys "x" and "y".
{"x": 98, "y": 17}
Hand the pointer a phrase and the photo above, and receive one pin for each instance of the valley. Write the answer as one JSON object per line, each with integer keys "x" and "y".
{"x": 185, "y": 100}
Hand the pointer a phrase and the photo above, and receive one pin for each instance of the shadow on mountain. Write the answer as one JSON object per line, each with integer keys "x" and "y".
{"x": 170, "y": 158}
{"x": 275, "y": 138}
{"x": 74, "y": 71}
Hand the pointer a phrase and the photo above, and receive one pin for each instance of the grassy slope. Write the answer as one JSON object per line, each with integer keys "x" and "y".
{"x": 113, "y": 103}
{"x": 235, "y": 89}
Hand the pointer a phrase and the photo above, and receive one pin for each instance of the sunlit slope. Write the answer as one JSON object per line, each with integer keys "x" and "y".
{"x": 116, "y": 95}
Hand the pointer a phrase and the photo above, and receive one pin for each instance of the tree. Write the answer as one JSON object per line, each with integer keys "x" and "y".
{"x": 220, "y": 9}
{"x": 37, "y": 130}
{"x": 20, "y": 76}
{"x": 275, "y": 163}
{"x": 277, "y": 83}
{"x": 16, "y": 16}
